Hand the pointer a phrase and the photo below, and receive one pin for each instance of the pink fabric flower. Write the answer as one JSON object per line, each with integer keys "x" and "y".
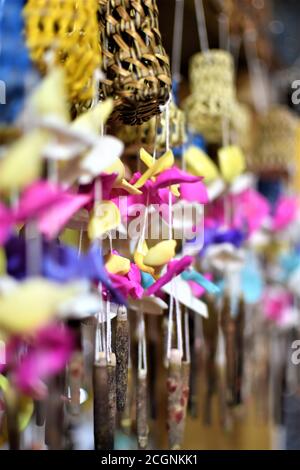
{"x": 286, "y": 212}
{"x": 30, "y": 364}
{"x": 250, "y": 210}
{"x": 130, "y": 284}
{"x": 174, "y": 268}
{"x": 276, "y": 301}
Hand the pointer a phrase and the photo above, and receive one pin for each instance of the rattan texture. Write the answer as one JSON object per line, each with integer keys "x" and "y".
{"x": 134, "y": 60}
{"x": 275, "y": 145}
{"x": 213, "y": 95}
{"x": 69, "y": 30}
{"x": 153, "y": 133}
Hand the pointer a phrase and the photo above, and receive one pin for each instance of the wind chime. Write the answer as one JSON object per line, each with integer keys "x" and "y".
{"x": 134, "y": 60}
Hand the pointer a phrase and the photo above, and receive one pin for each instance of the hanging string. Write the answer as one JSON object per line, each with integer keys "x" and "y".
{"x": 201, "y": 25}
{"x": 142, "y": 349}
{"x": 80, "y": 243}
{"x": 155, "y": 138}
{"x": 179, "y": 326}
{"x": 177, "y": 40}
{"x": 108, "y": 332}
{"x": 170, "y": 323}
{"x": 224, "y": 38}
{"x": 258, "y": 80}
{"x": 187, "y": 337}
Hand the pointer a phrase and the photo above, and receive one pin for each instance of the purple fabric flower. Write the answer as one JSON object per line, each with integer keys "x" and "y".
{"x": 61, "y": 263}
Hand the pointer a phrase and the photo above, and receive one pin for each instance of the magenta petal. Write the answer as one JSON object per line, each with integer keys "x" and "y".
{"x": 130, "y": 284}
{"x": 52, "y": 220}
{"x": 251, "y": 208}
{"x": 46, "y": 357}
{"x": 286, "y": 212}
{"x": 36, "y": 198}
{"x": 174, "y": 176}
{"x": 194, "y": 192}
{"x": 175, "y": 268}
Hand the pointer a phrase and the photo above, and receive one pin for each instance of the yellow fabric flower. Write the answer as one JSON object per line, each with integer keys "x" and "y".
{"x": 50, "y": 97}
{"x": 22, "y": 163}
{"x": 117, "y": 265}
{"x": 151, "y": 260}
{"x": 106, "y": 217}
{"x": 160, "y": 254}
{"x": 29, "y": 305}
{"x": 155, "y": 167}
{"x": 26, "y": 408}
{"x": 232, "y": 162}
{"x": 92, "y": 120}
{"x": 199, "y": 164}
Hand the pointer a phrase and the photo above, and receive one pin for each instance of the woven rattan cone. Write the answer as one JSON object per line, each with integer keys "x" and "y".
{"x": 134, "y": 60}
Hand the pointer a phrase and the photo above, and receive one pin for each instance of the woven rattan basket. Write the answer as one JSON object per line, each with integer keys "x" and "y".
{"x": 212, "y": 96}
{"x": 68, "y": 30}
{"x": 153, "y": 133}
{"x": 134, "y": 60}
{"x": 275, "y": 147}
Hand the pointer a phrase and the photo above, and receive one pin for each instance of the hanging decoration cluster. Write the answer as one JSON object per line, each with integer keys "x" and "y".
{"x": 136, "y": 264}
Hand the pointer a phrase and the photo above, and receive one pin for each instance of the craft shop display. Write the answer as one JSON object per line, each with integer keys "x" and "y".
{"x": 149, "y": 237}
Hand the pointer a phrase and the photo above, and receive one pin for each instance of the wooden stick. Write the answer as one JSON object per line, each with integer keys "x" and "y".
{"x": 240, "y": 326}
{"x": 12, "y": 412}
{"x": 229, "y": 331}
{"x": 55, "y": 425}
{"x": 175, "y": 408}
{"x": 112, "y": 406}
{"x": 210, "y": 332}
{"x": 126, "y": 420}
{"x": 142, "y": 410}
{"x": 122, "y": 356}
{"x": 101, "y": 407}
{"x": 185, "y": 390}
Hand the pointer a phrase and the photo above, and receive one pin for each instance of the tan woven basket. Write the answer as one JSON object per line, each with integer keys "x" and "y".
{"x": 134, "y": 60}
{"x": 213, "y": 95}
{"x": 275, "y": 146}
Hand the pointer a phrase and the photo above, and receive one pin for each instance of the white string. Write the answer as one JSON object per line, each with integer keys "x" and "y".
{"x": 170, "y": 322}
{"x": 108, "y": 332}
{"x": 102, "y": 326}
{"x": 187, "y": 337}
{"x": 201, "y": 25}
{"x": 179, "y": 326}
{"x": 177, "y": 39}
{"x": 80, "y": 243}
{"x": 142, "y": 348}
{"x": 155, "y": 138}
{"x": 224, "y": 39}
{"x": 257, "y": 78}
{"x": 167, "y": 114}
